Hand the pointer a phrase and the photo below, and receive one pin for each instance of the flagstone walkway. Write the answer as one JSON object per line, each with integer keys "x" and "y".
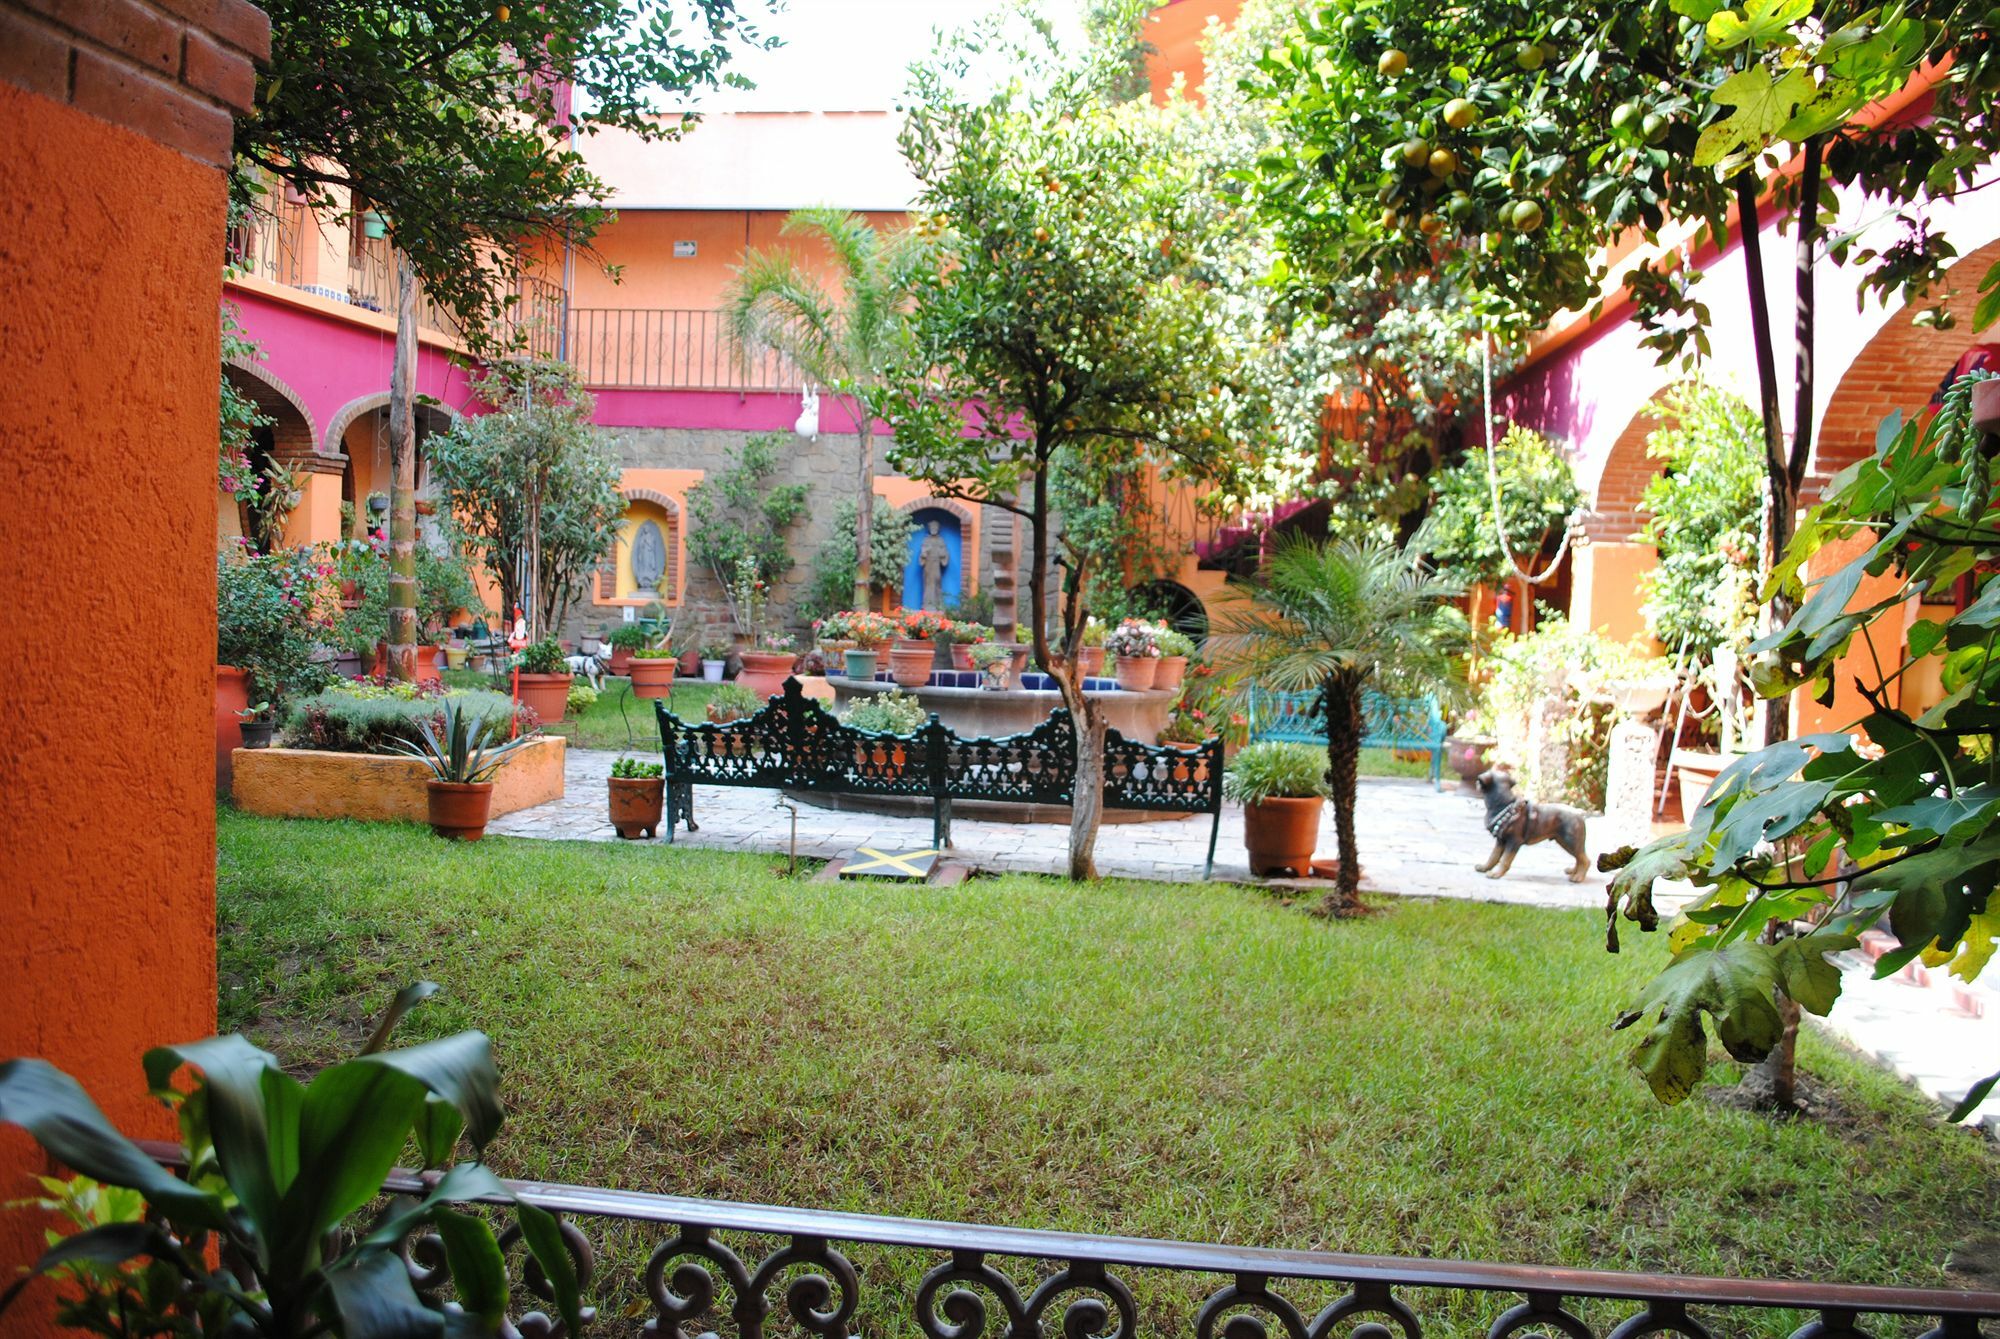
{"x": 1414, "y": 840}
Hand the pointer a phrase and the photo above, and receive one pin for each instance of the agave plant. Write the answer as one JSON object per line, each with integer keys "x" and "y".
{"x": 461, "y": 746}
{"x": 255, "y": 1233}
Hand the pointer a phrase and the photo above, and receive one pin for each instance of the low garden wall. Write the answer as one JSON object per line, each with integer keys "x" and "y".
{"x": 313, "y": 783}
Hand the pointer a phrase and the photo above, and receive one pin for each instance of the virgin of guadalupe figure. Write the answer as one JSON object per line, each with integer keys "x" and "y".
{"x": 933, "y": 556}
{"x": 649, "y": 558}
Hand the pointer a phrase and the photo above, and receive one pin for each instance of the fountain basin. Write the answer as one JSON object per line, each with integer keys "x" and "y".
{"x": 971, "y": 711}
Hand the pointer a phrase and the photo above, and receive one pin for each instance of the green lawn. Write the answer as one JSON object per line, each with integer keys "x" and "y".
{"x": 1436, "y": 1079}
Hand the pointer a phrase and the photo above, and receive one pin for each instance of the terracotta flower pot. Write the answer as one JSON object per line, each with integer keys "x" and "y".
{"x": 764, "y": 672}
{"x": 961, "y": 655}
{"x": 621, "y": 660}
{"x": 636, "y": 803}
{"x": 690, "y": 663}
{"x": 1171, "y": 670}
{"x": 458, "y": 810}
{"x": 232, "y": 695}
{"x": 860, "y": 662}
{"x": 910, "y": 663}
{"x": 1136, "y": 673}
{"x": 426, "y": 662}
{"x": 547, "y": 694}
{"x": 651, "y": 677}
{"x": 1090, "y": 660}
{"x": 1281, "y": 834}
{"x": 1466, "y": 757}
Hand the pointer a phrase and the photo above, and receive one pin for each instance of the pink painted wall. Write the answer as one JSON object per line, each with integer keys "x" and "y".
{"x": 328, "y": 362}
{"x": 1587, "y": 392}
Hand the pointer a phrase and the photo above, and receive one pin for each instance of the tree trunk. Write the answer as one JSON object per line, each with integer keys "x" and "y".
{"x": 1343, "y": 762}
{"x": 403, "y": 479}
{"x": 1087, "y": 794}
{"x": 864, "y": 508}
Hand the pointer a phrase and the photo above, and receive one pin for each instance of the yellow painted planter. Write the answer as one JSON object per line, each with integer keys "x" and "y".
{"x": 310, "y": 783}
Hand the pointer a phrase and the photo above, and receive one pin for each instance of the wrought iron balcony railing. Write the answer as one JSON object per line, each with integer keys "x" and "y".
{"x": 668, "y": 348}
{"x": 825, "y": 1274}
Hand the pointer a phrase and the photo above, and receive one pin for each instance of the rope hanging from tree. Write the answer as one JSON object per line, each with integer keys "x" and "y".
{"x": 1493, "y": 477}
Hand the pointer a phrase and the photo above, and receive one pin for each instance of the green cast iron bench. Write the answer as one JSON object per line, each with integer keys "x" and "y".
{"x": 793, "y": 743}
{"x": 1412, "y": 723}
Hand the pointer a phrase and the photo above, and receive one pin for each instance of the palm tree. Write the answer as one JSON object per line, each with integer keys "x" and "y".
{"x": 844, "y": 343}
{"x": 1337, "y": 618}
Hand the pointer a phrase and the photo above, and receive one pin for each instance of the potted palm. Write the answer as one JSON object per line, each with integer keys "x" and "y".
{"x": 544, "y": 679}
{"x": 1336, "y": 619}
{"x": 638, "y": 791}
{"x": 463, "y": 751}
{"x": 1282, "y": 788}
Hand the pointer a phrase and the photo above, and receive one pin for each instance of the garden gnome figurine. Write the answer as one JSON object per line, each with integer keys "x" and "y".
{"x": 933, "y": 556}
{"x": 517, "y": 637}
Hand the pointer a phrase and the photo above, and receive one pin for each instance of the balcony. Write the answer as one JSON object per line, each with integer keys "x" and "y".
{"x": 669, "y": 348}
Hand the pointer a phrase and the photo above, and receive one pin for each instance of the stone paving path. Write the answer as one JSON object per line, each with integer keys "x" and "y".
{"x": 1414, "y": 842}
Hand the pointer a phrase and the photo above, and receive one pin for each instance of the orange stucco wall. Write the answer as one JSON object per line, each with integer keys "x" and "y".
{"x": 1175, "y": 30}
{"x": 1885, "y": 638}
{"x": 107, "y": 500}
{"x": 642, "y": 241}
{"x": 1608, "y": 590}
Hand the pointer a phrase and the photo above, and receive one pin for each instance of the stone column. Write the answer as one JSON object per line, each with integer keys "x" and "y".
{"x": 1628, "y": 786}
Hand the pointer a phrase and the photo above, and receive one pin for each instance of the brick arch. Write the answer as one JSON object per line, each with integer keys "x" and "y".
{"x": 1616, "y": 507}
{"x": 952, "y": 505}
{"x": 1900, "y": 368}
{"x": 292, "y": 434}
{"x": 344, "y": 417}
{"x": 607, "y": 567}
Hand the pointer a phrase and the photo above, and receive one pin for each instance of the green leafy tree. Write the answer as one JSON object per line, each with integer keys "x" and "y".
{"x": 846, "y": 343}
{"x": 1702, "y": 517}
{"x": 1537, "y": 493}
{"x": 458, "y": 120}
{"x": 1337, "y": 618}
{"x": 742, "y": 524}
{"x": 531, "y": 487}
{"x": 832, "y": 586}
{"x": 1064, "y": 326}
{"x": 1821, "y": 831}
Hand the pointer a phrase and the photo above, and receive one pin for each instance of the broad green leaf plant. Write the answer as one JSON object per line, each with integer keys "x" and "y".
{"x": 1889, "y": 821}
{"x": 261, "y": 1233}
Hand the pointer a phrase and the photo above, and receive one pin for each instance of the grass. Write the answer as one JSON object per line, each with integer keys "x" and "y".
{"x": 1200, "y": 1062}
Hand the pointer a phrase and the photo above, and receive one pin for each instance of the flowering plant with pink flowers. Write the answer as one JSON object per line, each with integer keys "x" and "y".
{"x": 272, "y": 612}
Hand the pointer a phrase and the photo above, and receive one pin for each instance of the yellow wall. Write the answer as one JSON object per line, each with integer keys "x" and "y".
{"x": 673, "y": 484}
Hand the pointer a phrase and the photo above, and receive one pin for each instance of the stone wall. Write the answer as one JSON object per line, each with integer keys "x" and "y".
{"x": 825, "y": 465}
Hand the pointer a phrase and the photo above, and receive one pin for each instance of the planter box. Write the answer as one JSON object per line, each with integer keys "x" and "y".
{"x": 310, "y": 783}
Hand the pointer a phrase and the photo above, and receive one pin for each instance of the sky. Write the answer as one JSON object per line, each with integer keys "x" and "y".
{"x": 850, "y": 55}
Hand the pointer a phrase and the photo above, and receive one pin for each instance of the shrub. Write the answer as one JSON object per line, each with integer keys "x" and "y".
{"x": 543, "y": 657}
{"x": 342, "y": 721}
{"x": 582, "y": 697}
{"x": 631, "y": 769}
{"x": 631, "y": 636}
{"x": 271, "y": 611}
{"x": 655, "y": 653}
{"x": 1272, "y": 771}
{"x": 893, "y": 713}
{"x": 1173, "y": 642}
{"x": 1560, "y": 738}
{"x": 1703, "y": 516}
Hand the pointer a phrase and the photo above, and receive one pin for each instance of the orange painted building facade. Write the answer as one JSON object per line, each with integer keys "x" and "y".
{"x": 107, "y": 485}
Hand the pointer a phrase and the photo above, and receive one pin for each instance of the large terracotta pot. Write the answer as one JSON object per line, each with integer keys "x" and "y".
{"x": 621, "y": 660}
{"x": 458, "y": 810}
{"x": 910, "y": 663}
{"x": 636, "y": 803}
{"x": 1281, "y": 834}
{"x": 1466, "y": 757}
{"x": 1172, "y": 669}
{"x": 232, "y": 695}
{"x": 1090, "y": 660}
{"x": 652, "y": 677}
{"x": 426, "y": 661}
{"x": 1136, "y": 673}
{"x": 764, "y": 672}
{"x": 547, "y": 694}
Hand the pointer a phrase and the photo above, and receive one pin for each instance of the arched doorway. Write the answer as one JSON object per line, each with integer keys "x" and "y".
{"x": 943, "y": 526}
{"x": 1172, "y": 603}
{"x": 286, "y": 437}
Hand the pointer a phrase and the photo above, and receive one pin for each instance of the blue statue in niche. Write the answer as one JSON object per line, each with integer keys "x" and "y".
{"x": 934, "y": 574}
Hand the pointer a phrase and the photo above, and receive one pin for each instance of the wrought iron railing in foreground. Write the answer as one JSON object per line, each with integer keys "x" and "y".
{"x": 1014, "y": 1283}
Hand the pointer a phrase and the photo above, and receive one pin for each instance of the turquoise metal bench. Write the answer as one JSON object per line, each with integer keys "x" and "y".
{"x": 1412, "y": 723}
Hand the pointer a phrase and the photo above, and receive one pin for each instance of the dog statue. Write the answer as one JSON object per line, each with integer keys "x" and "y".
{"x": 591, "y": 666}
{"x": 1515, "y": 822}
